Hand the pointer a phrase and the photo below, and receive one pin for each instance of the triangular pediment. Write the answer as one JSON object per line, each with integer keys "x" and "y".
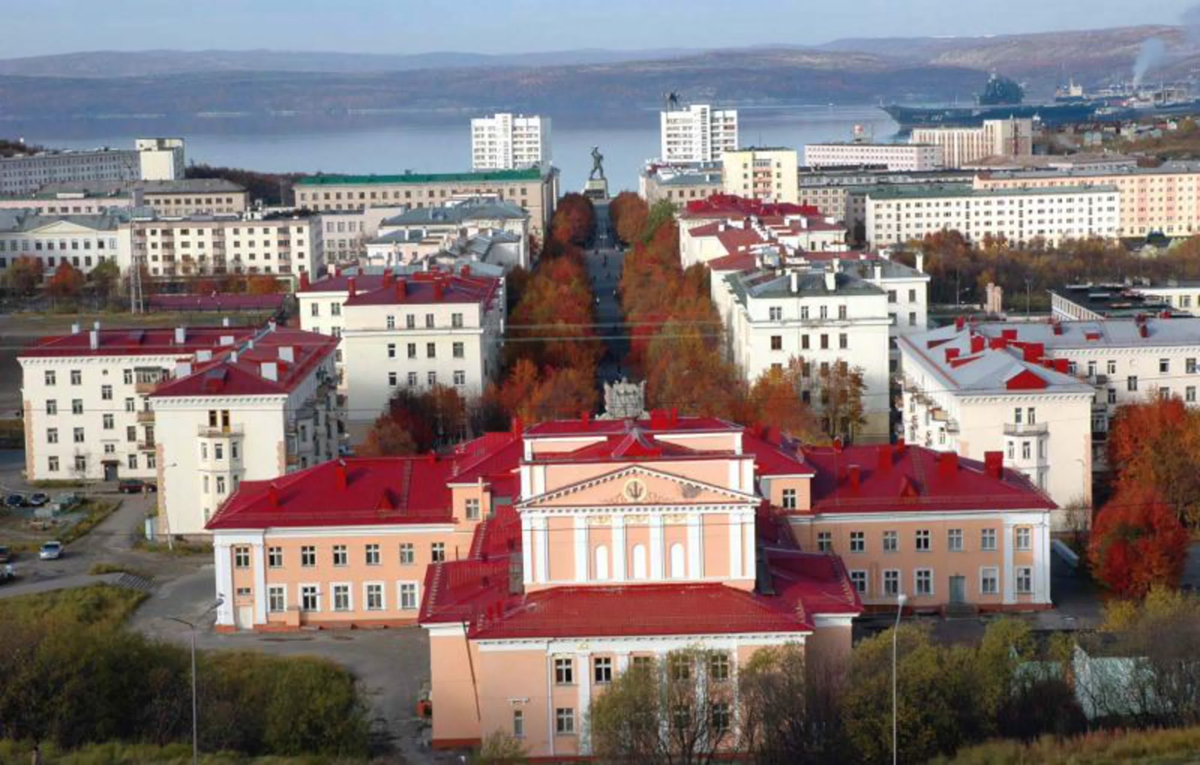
{"x": 634, "y": 486}
{"x": 63, "y": 227}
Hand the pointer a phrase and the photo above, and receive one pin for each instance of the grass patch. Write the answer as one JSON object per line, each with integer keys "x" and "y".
{"x": 138, "y": 754}
{"x": 177, "y": 548}
{"x": 96, "y": 605}
{"x": 1148, "y": 747}
{"x": 104, "y": 567}
{"x": 97, "y": 511}
{"x": 60, "y": 483}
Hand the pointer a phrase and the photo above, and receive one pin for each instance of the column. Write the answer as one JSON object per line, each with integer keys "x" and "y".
{"x": 1041, "y": 563}
{"x": 224, "y": 583}
{"x": 748, "y": 539}
{"x": 583, "y": 666}
{"x": 618, "y": 544}
{"x": 656, "y": 547}
{"x": 260, "y": 584}
{"x": 1010, "y": 595}
{"x": 581, "y": 549}
{"x": 695, "y": 559}
{"x": 541, "y": 549}
{"x": 527, "y": 572}
{"x": 735, "y": 545}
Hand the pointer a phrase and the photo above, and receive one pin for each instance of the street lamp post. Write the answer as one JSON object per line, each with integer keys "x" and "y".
{"x": 895, "y": 631}
{"x": 195, "y": 717}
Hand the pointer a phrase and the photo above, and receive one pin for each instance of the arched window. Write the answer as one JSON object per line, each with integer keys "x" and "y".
{"x": 678, "y": 571}
{"x": 600, "y": 571}
{"x": 639, "y": 561}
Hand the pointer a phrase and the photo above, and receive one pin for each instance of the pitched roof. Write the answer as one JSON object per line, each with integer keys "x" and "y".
{"x": 155, "y": 341}
{"x": 427, "y": 287}
{"x": 901, "y": 478}
{"x": 531, "y": 174}
{"x": 239, "y": 370}
{"x": 657, "y": 422}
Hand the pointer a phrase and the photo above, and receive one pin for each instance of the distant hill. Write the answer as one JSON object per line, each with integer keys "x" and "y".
{"x": 595, "y": 81}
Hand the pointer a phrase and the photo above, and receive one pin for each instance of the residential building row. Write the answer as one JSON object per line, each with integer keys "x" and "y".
{"x": 961, "y": 146}
{"x": 506, "y": 141}
{"x": 679, "y": 183}
{"x": 546, "y": 561}
{"x": 412, "y": 235}
{"x": 914, "y": 157}
{"x": 767, "y": 173}
{"x": 157, "y": 159}
{"x": 193, "y": 410}
{"x": 188, "y": 196}
{"x": 84, "y": 241}
{"x": 535, "y": 190}
{"x": 697, "y": 133}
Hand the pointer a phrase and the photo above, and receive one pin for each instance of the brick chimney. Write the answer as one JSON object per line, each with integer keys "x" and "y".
{"x": 304, "y": 281}
{"x": 854, "y": 476}
{"x": 885, "y": 458}
{"x": 273, "y": 495}
{"x": 352, "y": 286}
{"x": 341, "y": 479}
{"x": 401, "y": 289}
{"x": 947, "y": 464}
{"x": 993, "y": 464}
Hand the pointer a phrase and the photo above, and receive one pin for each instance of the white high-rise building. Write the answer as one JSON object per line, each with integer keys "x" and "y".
{"x": 509, "y": 142}
{"x": 698, "y": 133}
{"x": 964, "y": 145}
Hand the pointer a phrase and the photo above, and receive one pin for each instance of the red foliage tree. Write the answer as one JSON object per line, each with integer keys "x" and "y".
{"x": 629, "y": 214}
{"x": 1137, "y": 543}
{"x": 1157, "y": 444}
{"x": 263, "y": 285}
{"x": 67, "y": 281}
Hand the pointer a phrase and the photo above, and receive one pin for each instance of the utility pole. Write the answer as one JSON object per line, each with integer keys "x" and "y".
{"x": 195, "y": 715}
{"x": 1028, "y": 286}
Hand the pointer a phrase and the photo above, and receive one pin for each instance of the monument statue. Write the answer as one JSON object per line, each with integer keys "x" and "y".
{"x": 597, "y": 164}
{"x": 624, "y": 400}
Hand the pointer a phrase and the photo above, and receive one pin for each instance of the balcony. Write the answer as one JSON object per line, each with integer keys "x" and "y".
{"x": 144, "y": 387}
{"x": 146, "y": 445}
{"x": 1026, "y": 429}
{"x": 145, "y": 415}
{"x": 209, "y": 431}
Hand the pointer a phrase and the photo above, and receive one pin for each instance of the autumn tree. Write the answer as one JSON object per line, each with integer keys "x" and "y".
{"x": 66, "y": 282}
{"x": 535, "y": 396}
{"x": 1156, "y": 444}
{"x": 775, "y": 397}
{"x": 24, "y": 275}
{"x": 789, "y": 711}
{"x": 387, "y": 438}
{"x": 841, "y": 389}
{"x": 262, "y": 284}
{"x": 676, "y": 711}
{"x": 573, "y": 220}
{"x": 1137, "y": 543}
{"x": 629, "y": 214}
{"x": 105, "y": 278}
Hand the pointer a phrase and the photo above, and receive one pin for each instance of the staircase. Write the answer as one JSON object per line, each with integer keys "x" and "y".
{"x": 134, "y": 582}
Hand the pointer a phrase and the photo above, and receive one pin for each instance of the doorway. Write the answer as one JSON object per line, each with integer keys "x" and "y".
{"x": 958, "y": 589}
{"x": 110, "y": 471}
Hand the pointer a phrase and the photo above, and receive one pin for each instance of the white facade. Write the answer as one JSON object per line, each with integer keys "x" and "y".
{"x": 283, "y": 246}
{"x": 893, "y": 156}
{"x": 963, "y": 145}
{"x": 507, "y": 142}
{"x": 345, "y": 233}
{"x": 820, "y": 316}
{"x": 151, "y": 159}
{"x": 112, "y": 404}
{"x": 413, "y": 235}
{"x": 84, "y": 241}
{"x": 899, "y": 214}
{"x": 968, "y": 392}
{"x": 697, "y": 133}
{"x": 766, "y": 174}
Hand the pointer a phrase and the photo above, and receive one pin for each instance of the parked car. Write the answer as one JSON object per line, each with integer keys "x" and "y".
{"x": 5, "y": 554}
{"x": 131, "y": 486}
{"x": 151, "y": 487}
{"x": 14, "y": 500}
{"x": 7, "y": 573}
{"x": 50, "y": 551}
{"x": 38, "y": 499}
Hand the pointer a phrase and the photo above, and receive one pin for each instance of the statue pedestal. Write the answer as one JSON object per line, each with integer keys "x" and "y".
{"x": 596, "y": 188}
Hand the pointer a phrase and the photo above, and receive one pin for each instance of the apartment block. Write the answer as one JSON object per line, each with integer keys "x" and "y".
{"x": 535, "y": 190}
{"x": 964, "y": 145}
{"x": 898, "y": 214}
{"x": 679, "y": 184}
{"x": 769, "y": 174}
{"x": 84, "y": 241}
{"x": 283, "y": 245}
{"x": 509, "y": 142}
{"x": 193, "y": 410}
{"x": 413, "y": 234}
{"x": 697, "y": 133}
{"x": 150, "y": 159}
{"x": 914, "y": 157}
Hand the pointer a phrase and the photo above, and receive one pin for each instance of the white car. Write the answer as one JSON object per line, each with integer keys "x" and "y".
{"x": 50, "y": 551}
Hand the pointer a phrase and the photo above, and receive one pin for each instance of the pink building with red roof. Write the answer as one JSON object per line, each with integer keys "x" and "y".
{"x": 544, "y": 561}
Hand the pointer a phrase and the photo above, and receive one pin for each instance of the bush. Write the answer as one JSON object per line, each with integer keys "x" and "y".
{"x": 1153, "y": 747}
{"x": 105, "y": 567}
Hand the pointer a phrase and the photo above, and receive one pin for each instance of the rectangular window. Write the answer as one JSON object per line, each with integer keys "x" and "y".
{"x": 1164, "y": 366}
{"x": 989, "y": 581}
{"x": 76, "y": 377}
{"x": 987, "y": 539}
{"x": 341, "y": 593}
{"x": 372, "y": 555}
{"x": 276, "y": 598}
{"x": 891, "y": 583}
{"x": 843, "y": 341}
{"x": 52, "y": 435}
{"x": 776, "y": 313}
{"x": 308, "y": 556}
{"x": 602, "y": 669}
{"x": 106, "y": 393}
{"x": 76, "y": 406}
{"x": 108, "y": 421}
{"x": 430, "y": 350}
{"x": 406, "y": 554}
{"x": 564, "y": 721}
{"x": 310, "y": 597}
{"x": 412, "y": 350}
{"x": 858, "y": 541}
{"x": 859, "y": 580}
{"x": 718, "y": 666}
{"x": 456, "y": 320}
{"x": 78, "y": 435}
{"x": 391, "y": 350}
{"x": 437, "y": 552}
{"x": 564, "y": 671}
{"x": 954, "y": 540}
{"x": 458, "y": 351}
{"x": 472, "y": 509}
{"x": 51, "y": 406}
{"x": 1024, "y": 580}
{"x": 789, "y": 499}
{"x": 275, "y": 557}
{"x": 776, "y": 342}
{"x": 924, "y": 579}
{"x": 50, "y": 377}
{"x": 374, "y": 592}
{"x": 891, "y": 541}
{"x": 824, "y": 541}
{"x": 408, "y": 596}
{"x": 340, "y": 555}
{"x": 1131, "y": 384}
{"x": 518, "y": 724}
{"x": 1023, "y": 537}
{"x": 241, "y": 557}
{"x": 720, "y": 716}
{"x": 922, "y": 543}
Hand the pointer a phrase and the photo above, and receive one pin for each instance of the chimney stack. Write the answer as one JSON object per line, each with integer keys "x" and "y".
{"x": 854, "y": 473}
{"x": 794, "y": 279}
{"x": 75, "y": 328}
{"x": 401, "y": 289}
{"x": 921, "y": 262}
{"x": 94, "y": 339}
{"x": 993, "y": 464}
{"x": 96, "y": 325}
{"x": 287, "y": 353}
{"x": 180, "y": 335}
{"x": 270, "y": 371}
{"x": 341, "y": 478}
{"x": 304, "y": 281}
{"x": 947, "y": 464}
{"x": 273, "y": 495}
{"x": 830, "y": 281}
{"x": 351, "y": 286}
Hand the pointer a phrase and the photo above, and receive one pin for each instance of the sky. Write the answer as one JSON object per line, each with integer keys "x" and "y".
{"x": 37, "y": 27}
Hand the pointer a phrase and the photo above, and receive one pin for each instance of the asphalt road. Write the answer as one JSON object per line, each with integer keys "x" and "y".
{"x": 604, "y": 263}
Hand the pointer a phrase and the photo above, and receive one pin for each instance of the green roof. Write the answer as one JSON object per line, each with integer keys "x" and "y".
{"x": 939, "y": 190}
{"x": 529, "y": 174}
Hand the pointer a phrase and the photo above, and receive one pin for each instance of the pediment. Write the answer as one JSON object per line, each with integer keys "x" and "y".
{"x": 63, "y": 227}
{"x": 636, "y": 486}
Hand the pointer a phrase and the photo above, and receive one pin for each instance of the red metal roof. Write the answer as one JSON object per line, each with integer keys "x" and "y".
{"x": 775, "y": 456}
{"x": 216, "y": 302}
{"x": 739, "y": 262}
{"x": 913, "y": 478}
{"x": 426, "y": 288}
{"x": 657, "y": 422}
{"x": 157, "y": 341}
{"x": 729, "y": 204}
{"x": 223, "y": 376}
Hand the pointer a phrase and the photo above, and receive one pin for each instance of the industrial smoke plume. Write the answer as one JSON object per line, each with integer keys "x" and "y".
{"x": 1148, "y": 57}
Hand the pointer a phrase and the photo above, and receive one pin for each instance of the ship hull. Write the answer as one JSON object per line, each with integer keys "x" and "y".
{"x": 911, "y": 117}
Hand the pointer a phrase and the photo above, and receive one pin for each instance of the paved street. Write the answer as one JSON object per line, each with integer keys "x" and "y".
{"x": 604, "y": 262}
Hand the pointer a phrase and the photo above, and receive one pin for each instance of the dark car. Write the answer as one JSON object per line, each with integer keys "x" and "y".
{"x": 38, "y": 499}
{"x": 5, "y": 554}
{"x": 131, "y": 486}
{"x": 14, "y": 500}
